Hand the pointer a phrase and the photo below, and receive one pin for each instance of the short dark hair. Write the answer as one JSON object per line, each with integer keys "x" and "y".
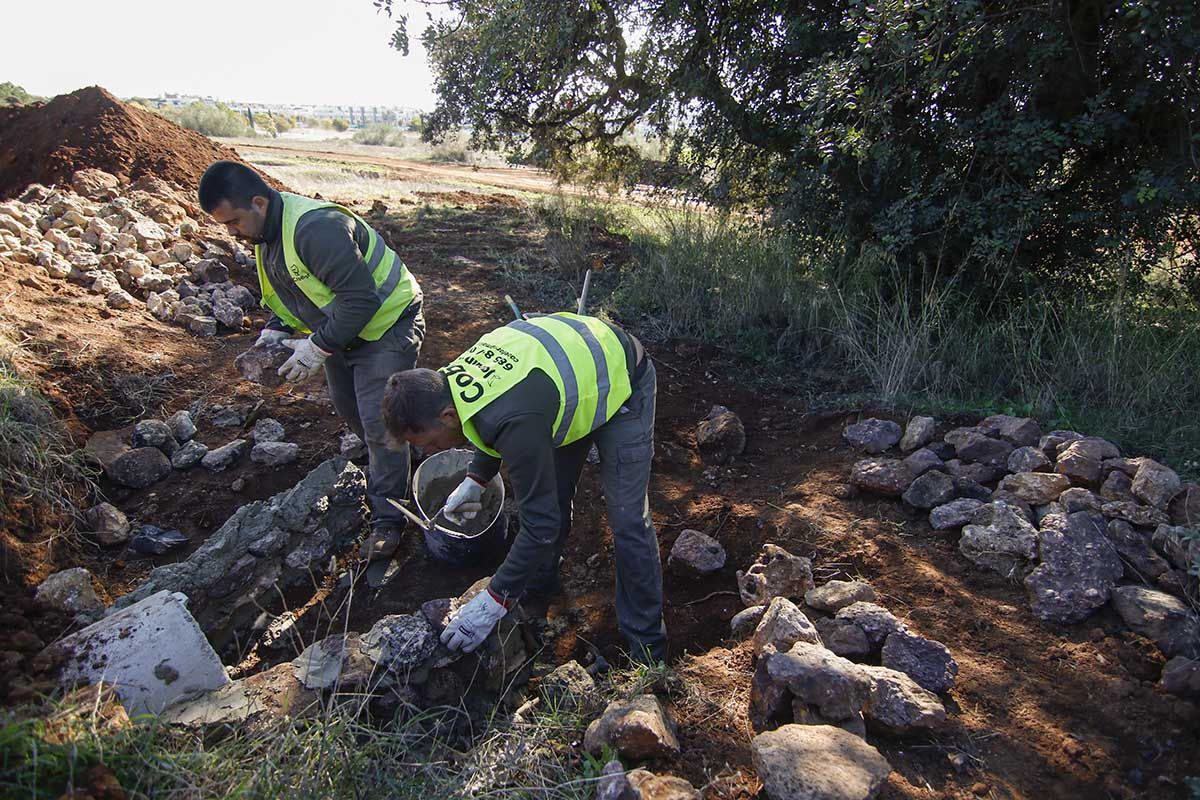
{"x": 413, "y": 400}
{"x": 229, "y": 180}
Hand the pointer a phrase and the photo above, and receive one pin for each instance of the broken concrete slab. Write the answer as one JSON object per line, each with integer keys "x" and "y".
{"x": 152, "y": 651}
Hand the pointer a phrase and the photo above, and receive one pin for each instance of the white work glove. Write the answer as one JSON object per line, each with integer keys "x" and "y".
{"x": 473, "y": 622}
{"x": 306, "y": 359}
{"x": 270, "y": 336}
{"x": 464, "y": 502}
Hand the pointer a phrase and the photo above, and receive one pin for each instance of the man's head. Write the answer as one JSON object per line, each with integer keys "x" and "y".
{"x": 237, "y": 197}
{"x": 417, "y": 408}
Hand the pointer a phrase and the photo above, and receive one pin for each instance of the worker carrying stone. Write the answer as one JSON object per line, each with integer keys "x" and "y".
{"x": 343, "y": 301}
{"x": 537, "y": 394}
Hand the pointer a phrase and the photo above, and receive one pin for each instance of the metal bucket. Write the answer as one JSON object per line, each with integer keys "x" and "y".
{"x": 447, "y": 544}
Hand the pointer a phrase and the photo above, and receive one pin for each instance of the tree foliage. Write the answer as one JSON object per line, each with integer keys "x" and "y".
{"x": 210, "y": 120}
{"x": 1010, "y": 143}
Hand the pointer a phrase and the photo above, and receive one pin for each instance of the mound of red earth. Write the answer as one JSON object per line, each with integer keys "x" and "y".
{"x": 48, "y": 142}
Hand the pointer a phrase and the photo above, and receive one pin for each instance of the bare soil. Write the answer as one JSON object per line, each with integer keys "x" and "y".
{"x": 1039, "y": 711}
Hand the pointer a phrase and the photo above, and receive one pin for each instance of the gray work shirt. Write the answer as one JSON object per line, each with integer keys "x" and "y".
{"x": 333, "y": 246}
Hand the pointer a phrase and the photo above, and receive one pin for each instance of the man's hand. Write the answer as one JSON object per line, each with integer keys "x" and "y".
{"x": 270, "y": 336}
{"x": 473, "y": 622}
{"x": 464, "y": 502}
{"x": 306, "y": 359}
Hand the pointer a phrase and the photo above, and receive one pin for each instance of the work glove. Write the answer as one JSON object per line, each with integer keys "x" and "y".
{"x": 270, "y": 336}
{"x": 306, "y": 359}
{"x": 473, "y": 622}
{"x": 465, "y": 501}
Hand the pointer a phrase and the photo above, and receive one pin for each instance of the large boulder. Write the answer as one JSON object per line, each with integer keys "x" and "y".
{"x": 875, "y": 621}
{"x": 954, "y": 514}
{"x": 844, "y": 638}
{"x": 1161, "y": 617}
{"x": 1028, "y": 459}
{"x": 1017, "y": 431}
{"x": 810, "y": 679}
{"x": 886, "y": 476}
{"x": 638, "y": 728}
{"x": 720, "y": 437}
{"x": 817, "y": 762}
{"x": 926, "y": 661}
{"x": 776, "y": 573}
{"x": 1135, "y": 514}
{"x": 781, "y": 626}
{"x": 872, "y": 435}
{"x": 274, "y": 454}
{"x": 978, "y": 448}
{"x": 264, "y": 549}
{"x": 1001, "y": 539}
{"x": 1079, "y": 568}
{"x": 921, "y": 461}
{"x": 95, "y": 184}
{"x": 1082, "y": 460}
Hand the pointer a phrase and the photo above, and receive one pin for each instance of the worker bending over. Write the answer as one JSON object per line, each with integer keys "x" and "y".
{"x": 537, "y": 394}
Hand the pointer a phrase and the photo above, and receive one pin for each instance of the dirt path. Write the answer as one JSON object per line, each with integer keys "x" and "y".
{"x": 1039, "y": 711}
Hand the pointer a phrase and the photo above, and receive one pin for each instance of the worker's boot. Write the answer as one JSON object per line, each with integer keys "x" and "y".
{"x": 381, "y": 542}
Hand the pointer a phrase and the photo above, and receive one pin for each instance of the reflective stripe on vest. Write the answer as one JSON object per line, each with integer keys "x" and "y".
{"x": 581, "y": 355}
{"x": 394, "y": 284}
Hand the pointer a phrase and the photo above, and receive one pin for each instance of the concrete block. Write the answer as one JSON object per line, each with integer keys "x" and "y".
{"x": 152, "y": 652}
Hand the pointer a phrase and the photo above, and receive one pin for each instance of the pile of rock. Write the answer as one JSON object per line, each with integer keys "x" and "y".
{"x": 1062, "y": 512}
{"x": 149, "y": 451}
{"x": 133, "y": 244}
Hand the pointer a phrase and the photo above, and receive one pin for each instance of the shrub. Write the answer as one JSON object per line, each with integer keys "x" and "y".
{"x": 210, "y": 120}
{"x": 340, "y": 125}
{"x": 380, "y": 133}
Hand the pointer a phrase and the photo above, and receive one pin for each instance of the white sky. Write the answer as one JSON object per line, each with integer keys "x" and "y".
{"x": 324, "y": 52}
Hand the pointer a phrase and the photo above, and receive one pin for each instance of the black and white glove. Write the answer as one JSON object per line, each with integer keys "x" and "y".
{"x": 465, "y": 501}
{"x": 271, "y": 336}
{"x": 473, "y": 622}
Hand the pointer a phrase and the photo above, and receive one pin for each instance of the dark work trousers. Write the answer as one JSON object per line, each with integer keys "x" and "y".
{"x": 357, "y": 378}
{"x": 626, "y": 445}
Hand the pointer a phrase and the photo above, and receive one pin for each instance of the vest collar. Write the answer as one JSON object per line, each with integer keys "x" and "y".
{"x": 273, "y": 226}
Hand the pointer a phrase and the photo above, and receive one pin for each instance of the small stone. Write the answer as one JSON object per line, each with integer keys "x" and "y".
{"x": 189, "y": 455}
{"x": 844, "y": 638}
{"x": 926, "y": 661}
{"x": 139, "y": 468}
{"x": 154, "y": 541}
{"x": 614, "y": 785}
{"x": 695, "y": 554}
{"x": 817, "y": 762}
{"x": 872, "y": 435}
{"x": 836, "y": 595}
{"x": 238, "y": 484}
{"x": 898, "y": 705}
{"x": 1036, "y": 488}
{"x": 154, "y": 433}
{"x": 260, "y": 364}
{"x": 922, "y": 461}
{"x": 228, "y": 314}
{"x": 108, "y": 523}
{"x": 181, "y": 426}
{"x": 647, "y": 785}
{"x": 352, "y": 447}
{"x": 209, "y": 270}
{"x": 930, "y": 490}
{"x": 1000, "y": 538}
{"x": 225, "y": 456}
{"x": 954, "y": 514}
{"x": 1156, "y": 485}
{"x": 918, "y": 433}
{"x": 568, "y": 687}
{"x": 274, "y": 454}
{"x": 1181, "y": 677}
{"x": 876, "y": 621}
{"x": 745, "y": 621}
{"x": 71, "y": 591}
{"x": 267, "y": 429}
{"x": 776, "y": 573}
{"x": 638, "y": 728}
{"x": 886, "y": 476}
{"x": 119, "y": 298}
{"x": 1028, "y": 459}
{"x": 782, "y": 626}
{"x": 199, "y": 324}
{"x": 720, "y": 437}
{"x": 981, "y": 449}
{"x": 1018, "y": 431}
{"x": 1160, "y": 617}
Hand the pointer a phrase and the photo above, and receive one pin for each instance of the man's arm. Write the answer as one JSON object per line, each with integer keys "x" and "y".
{"x": 524, "y": 442}
{"x": 326, "y": 244}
